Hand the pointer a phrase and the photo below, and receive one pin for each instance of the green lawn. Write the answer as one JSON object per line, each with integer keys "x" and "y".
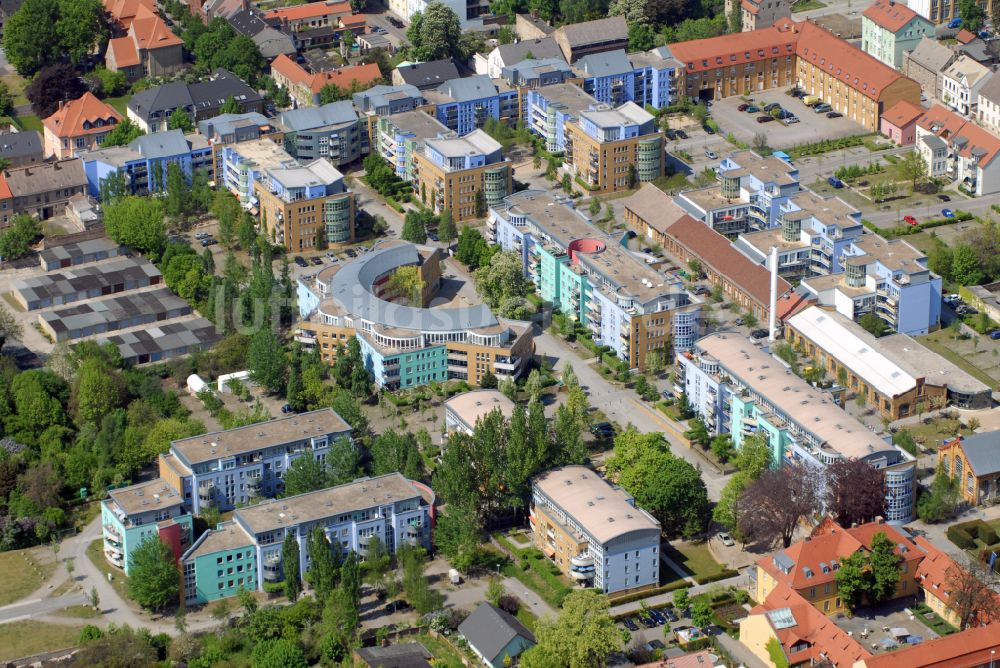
{"x": 695, "y": 558}
{"x": 808, "y": 5}
{"x": 95, "y": 552}
{"x": 15, "y": 84}
{"x": 79, "y": 611}
{"x": 445, "y": 656}
{"x": 28, "y": 637}
{"x": 937, "y": 342}
{"x": 22, "y": 574}
{"x": 120, "y": 103}
{"x": 30, "y": 122}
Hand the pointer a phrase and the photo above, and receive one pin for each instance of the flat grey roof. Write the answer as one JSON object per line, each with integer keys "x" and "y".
{"x": 114, "y": 310}
{"x": 568, "y": 96}
{"x": 146, "y": 496}
{"x": 165, "y": 340}
{"x": 291, "y": 429}
{"x": 229, "y": 536}
{"x": 312, "y": 118}
{"x": 79, "y": 249}
{"x": 351, "y": 288}
{"x": 324, "y": 503}
{"x": 469, "y": 407}
{"x": 66, "y": 282}
{"x": 908, "y": 353}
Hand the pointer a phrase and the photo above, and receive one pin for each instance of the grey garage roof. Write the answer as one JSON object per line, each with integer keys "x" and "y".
{"x": 164, "y": 341}
{"x": 79, "y": 251}
{"x": 351, "y": 287}
{"x": 20, "y": 144}
{"x": 123, "y": 271}
{"x": 118, "y": 312}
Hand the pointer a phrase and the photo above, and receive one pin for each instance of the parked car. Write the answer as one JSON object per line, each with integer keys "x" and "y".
{"x": 726, "y": 539}
{"x": 834, "y": 114}
{"x": 910, "y": 220}
{"x": 201, "y": 235}
{"x": 772, "y": 105}
{"x": 742, "y": 107}
{"x": 299, "y": 261}
{"x": 670, "y": 134}
{"x": 205, "y": 243}
{"x": 739, "y": 322}
{"x": 681, "y": 134}
{"x": 792, "y": 119}
{"x": 317, "y": 261}
{"x": 629, "y": 624}
{"x": 835, "y": 182}
{"x": 331, "y": 256}
{"x": 711, "y": 155}
{"x": 947, "y": 213}
{"x": 671, "y": 615}
{"x": 708, "y": 129}
{"x": 784, "y": 113}
{"x": 753, "y": 109}
{"x": 822, "y": 108}
{"x": 995, "y": 334}
{"x": 667, "y": 394}
{"x": 955, "y": 22}
{"x": 944, "y": 198}
{"x": 764, "y": 119}
{"x": 350, "y": 252}
{"x": 286, "y": 408}
{"x": 603, "y": 430}
{"x": 758, "y": 333}
{"x": 432, "y": 236}
{"x": 658, "y": 616}
{"x": 648, "y": 622}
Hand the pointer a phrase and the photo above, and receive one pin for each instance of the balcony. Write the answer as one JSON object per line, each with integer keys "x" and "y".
{"x": 115, "y": 559}
{"x": 206, "y": 494}
{"x": 582, "y": 560}
{"x": 510, "y": 365}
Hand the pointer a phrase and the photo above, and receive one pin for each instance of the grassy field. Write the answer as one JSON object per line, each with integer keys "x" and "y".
{"x": 445, "y": 656}
{"x": 79, "y": 612}
{"x": 24, "y": 638}
{"x": 808, "y": 5}
{"x": 695, "y": 558}
{"x": 30, "y": 122}
{"x": 23, "y": 572}
{"x": 16, "y": 85}
{"x": 979, "y": 356}
{"x": 95, "y": 552}
{"x": 119, "y": 103}
{"x": 935, "y": 432}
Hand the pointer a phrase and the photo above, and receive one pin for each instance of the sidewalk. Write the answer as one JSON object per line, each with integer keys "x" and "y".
{"x": 661, "y": 599}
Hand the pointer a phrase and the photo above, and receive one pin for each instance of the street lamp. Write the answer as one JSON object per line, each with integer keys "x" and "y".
{"x": 992, "y": 652}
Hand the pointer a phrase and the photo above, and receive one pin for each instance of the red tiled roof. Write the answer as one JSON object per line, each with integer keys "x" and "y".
{"x": 791, "y": 303}
{"x": 846, "y": 62}
{"x": 960, "y": 650}
{"x": 949, "y": 126}
{"x": 693, "y": 660}
{"x": 123, "y": 11}
{"x": 903, "y": 113}
{"x": 715, "y": 251}
{"x": 342, "y": 78}
{"x": 889, "y": 14}
{"x": 810, "y": 554}
{"x": 750, "y": 7}
{"x": 69, "y": 120}
{"x": 309, "y": 11}
{"x": 122, "y": 51}
{"x": 354, "y": 20}
{"x": 965, "y": 36}
{"x": 738, "y": 48}
{"x": 151, "y": 32}
{"x": 5, "y": 192}
{"x": 819, "y": 633}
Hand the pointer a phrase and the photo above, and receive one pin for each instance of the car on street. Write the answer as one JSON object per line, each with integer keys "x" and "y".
{"x": 947, "y": 213}
{"x": 681, "y": 134}
{"x": 742, "y": 107}
{"x": 711, "y": 155}
{"x": 753, "y": 109}
{"x": 764, "y": 119}
{"x": 834, "y": 114}
{"x": 944, "y": 198}
{"x": 629, "y": 624}
{"x": 726, "y": 539}
{"x": 910, "y": 220}
{"x": 317, "y": 261}
{"x": 701, "y": 290}
{"x": 670, "y": 134}
{"x": 299, "y": 261}
{"x": 350, "y": 252}
{"x": 772, "y": 105}
{"x": 758, "y": 333}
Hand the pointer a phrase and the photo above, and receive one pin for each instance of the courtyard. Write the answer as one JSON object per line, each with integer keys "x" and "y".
{"x": 886, "y": 627}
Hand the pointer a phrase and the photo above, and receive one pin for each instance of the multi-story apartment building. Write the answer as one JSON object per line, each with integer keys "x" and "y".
{"x": 852, "y": 82}
{"x": 594, "y": 532}
{"x": 609, "y": 77}
{"x": 738, "y": 388}
{"x": 41, "y": 190}
{"x": 385, "y": 100}
{"x": 748, "y": 196}
{"x": 306, "y": 207}
{"x": 333, "y": 132}
{"x": 959, "y": 150}
{"x": 961, "y": 82}
{"x": 577, "y": 40}
{"x": 614, "y": 149}
{"x": 131, "y": 515}
{"x": 988, "y": 105}
{"x": 812, "y": 236}
{"x": 233, "y": 129}
{"x": 244, "y": 164}
{"x": 246, "y": 551}
{"x": 463, "y": 175}
{"x": 757, "y": 14}
{"x": 463, "y": 105}
{"x": 144, "y": 162}
{"x": 407, "y": 344}
{"x": 304, "y": 86}
{"x": 890, "y": 28}
{"x": 225, "y": 469}
{"x": 925, "y": 63}
{"x": 399, "y": 138}
{"x": 463, "y": 411}
{"x": 589, "y": 276}
{"x": 657, "y": 77}
{"x": 548, "y": 111}
{"x": 895, "y": 374}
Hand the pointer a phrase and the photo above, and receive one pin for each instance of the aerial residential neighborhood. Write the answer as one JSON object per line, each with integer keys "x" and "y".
{"x": 500, "y": 332}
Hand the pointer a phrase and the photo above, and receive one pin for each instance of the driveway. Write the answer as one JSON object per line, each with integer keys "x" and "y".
{"x": 810, "y": 128}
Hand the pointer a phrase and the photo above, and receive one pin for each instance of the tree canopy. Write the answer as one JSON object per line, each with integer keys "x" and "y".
{"x": 154, "y": 581}
{"x": 136, "y": 222}
{"x": 583, "y": 635}
{"x": 43, "y": 32}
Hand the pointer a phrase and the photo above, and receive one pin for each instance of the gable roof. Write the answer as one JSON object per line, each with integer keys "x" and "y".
{"x": 655, "y": 207}
{"x": 966, "y": 138}
{"x": 489, "y": 629}
{"x": 844, "y": 61}
{"x": 738, "y": 48}
{"x": 406, "y": 655}
{"x": 932, "y": 55}
{"x": 967, "y": 68}
{"x": 591, "y": 32}
{"x": 44, "y": 177}
{"x": 903, "y": 113}
{"x": 968, "y": 648}
{"x": 122, "y": 51}
{"x": 991, "y": 90}
{"x": 151, "y": 32}
{"x": 540, "y": 49}
{"x": 342, "y": 78}
{"x": 716, "y": 251}
{"x": 891, "y": 15}
{"x": 964, "y": 36}
{"x": 69, "y": 119}
{"x": 606, "y": 63}
{"x": 200, "y": 96}
{"x": 123, "y": 11}
{"x": 432, "y": 73}
{"x": 309, "y": 11}
{"x": 982, "y": 452}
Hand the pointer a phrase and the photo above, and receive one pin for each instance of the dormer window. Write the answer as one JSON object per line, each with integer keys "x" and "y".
{"x": 86, "y": 125}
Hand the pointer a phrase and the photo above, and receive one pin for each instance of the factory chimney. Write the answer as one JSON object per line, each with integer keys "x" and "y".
{"x": 773, "y": 302}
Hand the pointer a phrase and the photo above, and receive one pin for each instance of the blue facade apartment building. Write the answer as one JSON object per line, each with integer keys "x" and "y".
{"x": 144, "y": 161}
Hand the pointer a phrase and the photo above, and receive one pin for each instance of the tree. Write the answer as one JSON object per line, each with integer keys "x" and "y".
{"x": 305, "y": 474}
{"x": 107, "y": 83}
{"x": 97, "y": 390}
{"x": 154, "y": 581}
{"x": 343, "y": 462}
{"x": 179, "y": 120}
{"x": 671, "y": 489}
{"x": 122, "y": 134}
{"x": 698, "y": 433}
{"x": 439, "y": 30}
{"x": 136, "y": 222}
{"x": 773, "y": 505}
{"x": 278, "y": 653}
{"x": 16, "y": 240}
{"x": 414, "y": 228}
{"x": 938, "y": 504}
{"x": 965, "y": 266}
{"x": 119, "y": 647}
{"x": 883, "y": 564}
{"x": 727, "y": 510}
{"x": 52, "y": 85}
{"x": 230, "y": 106}
{"x": 583, "y": 635}
{"x": 875, "y": 325}
{"x": 456, "y": 534}
{"x": 851, "y": 580}
{"x": 701, "y": 612}
{"x": 912, "y": 166}
{"x": 681, "y": 599}
{"x": 503, "y": 285}
{"x": 972, "y": 14}
{"x": 323, "y": 569}
{"x": 855, "y": 492}
{"x": 10, "y": 328}
{"x": 266, "y": 359}
{"x": 29, "y": 37}
{"x": 722, "y": 447}
{"x": 447, "y": 231}
{"x": 971, "y": 593}
{"x": 290, "y": 566}
{"x": 415, "y": 586}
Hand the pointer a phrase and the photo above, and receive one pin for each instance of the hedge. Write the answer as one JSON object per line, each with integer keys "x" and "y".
{"x": 646, "y": 593}
{"x": 987, "y": 534}
{"x": 728, "y": 573}
{"x": 960, "y": 537}
{"x": 394, "y": 204}
{"x": 906, "y": 230}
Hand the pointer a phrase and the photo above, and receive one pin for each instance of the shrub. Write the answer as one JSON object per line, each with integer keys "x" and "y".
{"x": 726, "y": 574}
{"x": 987, "y": 534}
{"x": 960, "y": 537}
{"x": 509, "y": 604}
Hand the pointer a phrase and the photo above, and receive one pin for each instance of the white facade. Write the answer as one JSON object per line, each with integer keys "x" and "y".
{"x": 961, "y": 82}
{"x": 405, "y": 9}
{"x": 988, "y": 111}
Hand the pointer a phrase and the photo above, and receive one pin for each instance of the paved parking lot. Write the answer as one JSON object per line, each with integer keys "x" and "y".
{"x": 811, "y": 126}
